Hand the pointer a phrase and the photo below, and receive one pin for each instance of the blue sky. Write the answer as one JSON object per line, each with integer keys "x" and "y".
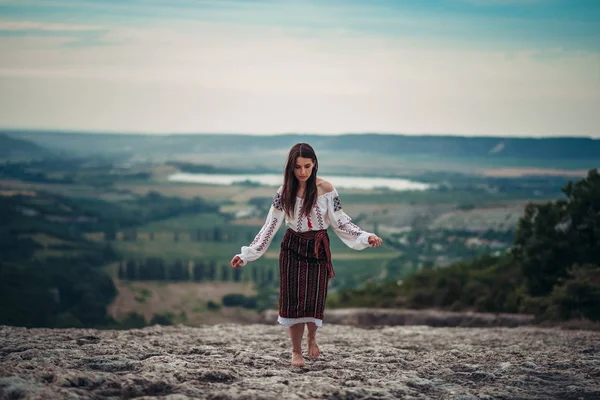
{"x": 468, "y": 67}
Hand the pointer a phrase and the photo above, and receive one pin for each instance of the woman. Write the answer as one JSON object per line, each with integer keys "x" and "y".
{"x": 309, "y": 206}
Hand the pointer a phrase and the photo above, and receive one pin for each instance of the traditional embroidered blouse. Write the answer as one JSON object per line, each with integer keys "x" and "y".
{"x": 326, "y": 212}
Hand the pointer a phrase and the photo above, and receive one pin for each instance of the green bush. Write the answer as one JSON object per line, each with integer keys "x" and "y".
{"x": 384, "y": 294}
{"x": 577, "y": 296}
{"x": 162, "y": 319}
{"x": 250, "y": 302}
{"x": 239, "y": 300}
{"x": 233, "y": 300}
{"x": 67, "y": 320}
{"x": 133, "y": 320}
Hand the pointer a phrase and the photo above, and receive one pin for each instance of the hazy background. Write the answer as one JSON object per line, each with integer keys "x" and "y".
{"x": 141, "y": 143}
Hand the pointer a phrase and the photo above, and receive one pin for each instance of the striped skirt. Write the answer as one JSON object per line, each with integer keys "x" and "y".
{"x": 304, "y": 272}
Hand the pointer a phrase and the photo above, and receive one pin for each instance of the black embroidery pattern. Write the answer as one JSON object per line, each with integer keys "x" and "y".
{"x": 277, "y": 202}
{"x": 268, "y": 235}
{"x": 337, "y": 204}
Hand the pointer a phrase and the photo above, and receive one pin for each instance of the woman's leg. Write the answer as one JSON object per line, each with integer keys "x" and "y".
{"x": 313, "y": 348}
{"x": 296, "y": 333}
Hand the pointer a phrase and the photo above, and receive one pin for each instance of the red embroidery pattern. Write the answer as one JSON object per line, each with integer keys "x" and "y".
{"x": 268, "y": 235}
{"x": 277, "y": 205}
{"x": 257, "y": 238}
{"x": 319, "y": 217}
{"x": 309, "y": 223}
{"x": 349, "y": 227}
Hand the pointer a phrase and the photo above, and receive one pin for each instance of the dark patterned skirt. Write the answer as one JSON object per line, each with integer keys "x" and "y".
{"x": 304, "y": 272}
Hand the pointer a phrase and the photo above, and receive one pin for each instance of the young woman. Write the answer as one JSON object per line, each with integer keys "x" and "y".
{"x": 309, "y": 205}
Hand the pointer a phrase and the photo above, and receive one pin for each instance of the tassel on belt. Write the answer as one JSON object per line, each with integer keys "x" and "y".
{"x": 321, "y": 239}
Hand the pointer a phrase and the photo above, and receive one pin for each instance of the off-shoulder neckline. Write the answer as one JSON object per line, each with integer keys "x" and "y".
{"x": 321, "y": 195}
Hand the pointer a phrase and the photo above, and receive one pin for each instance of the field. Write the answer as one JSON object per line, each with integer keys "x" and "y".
{"x": 172, "y": 239}
{"x": 184, "y": 223}
{"x": 186, "y": 301}
{"x": 164, "y": 246}
{"x": 158, "y": 225}
{"x": 214, "y": 193}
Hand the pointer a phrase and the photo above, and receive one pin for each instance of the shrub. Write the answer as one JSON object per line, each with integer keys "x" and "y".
{"x": 233, "y": 300}
{"x": 577, "y": 296}
{"x": 133, "y": 320}
{"x": 211, "y": 305}
{"x": 239, "y": 300}
{"x": 162, "y": 319}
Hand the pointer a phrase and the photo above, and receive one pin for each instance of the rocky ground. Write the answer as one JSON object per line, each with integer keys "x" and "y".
{"x": 394, "y": 317}
{"x": 252, "y": 362}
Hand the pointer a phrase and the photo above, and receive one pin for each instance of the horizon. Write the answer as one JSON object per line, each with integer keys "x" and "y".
{"x": 9, "y": 131}
{"x": 496, "y": 68}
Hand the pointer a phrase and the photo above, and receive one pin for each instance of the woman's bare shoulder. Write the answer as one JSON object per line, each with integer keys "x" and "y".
{"x": 324, "y": 186}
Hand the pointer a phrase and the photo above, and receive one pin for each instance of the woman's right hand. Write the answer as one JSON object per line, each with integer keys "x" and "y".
{"x": 236, "y": 262}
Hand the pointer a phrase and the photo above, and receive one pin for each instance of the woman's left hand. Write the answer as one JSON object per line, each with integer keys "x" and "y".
{"x": 375, "y": 241}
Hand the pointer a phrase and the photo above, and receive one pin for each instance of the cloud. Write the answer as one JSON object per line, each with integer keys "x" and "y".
{"x": 251, "y": 79}
{"x": 265, "y": 67}
{"x": 71, "y": 35}
{"x": 45, "y": 26}
{"x": 546, "y": 23}
{"x": 496, "y": 3}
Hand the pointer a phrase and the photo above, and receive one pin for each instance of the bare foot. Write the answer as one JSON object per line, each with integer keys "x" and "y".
{"x": 313, "y": 348}
{"x": 297, "y": 360}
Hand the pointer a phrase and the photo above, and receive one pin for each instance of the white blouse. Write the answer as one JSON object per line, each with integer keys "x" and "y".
{"x": 326, "y": 212}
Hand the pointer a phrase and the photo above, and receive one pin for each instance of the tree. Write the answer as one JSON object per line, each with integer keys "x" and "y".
{"x": 199, "y": 271}
{"x": 225, "y": 273}
{"x": 110, "y": 234}
{"x": 130, "y": 235}
{"x": 130, "y": 270}
{"x": 553, "y": 236}
{"x": 578, "y": 296}
{"x": 121, "y": 270}
{"x": 212, "y": 271}
{"x": 237, "y": 275}
{"x": 179, "y": 271}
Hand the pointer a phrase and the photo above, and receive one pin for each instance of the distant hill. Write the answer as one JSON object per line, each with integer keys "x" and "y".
{"x": 403, "y": 145}
{"x": 11, "y": 147}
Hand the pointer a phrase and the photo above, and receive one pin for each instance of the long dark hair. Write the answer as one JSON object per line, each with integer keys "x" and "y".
{"x": 291, "y": 183}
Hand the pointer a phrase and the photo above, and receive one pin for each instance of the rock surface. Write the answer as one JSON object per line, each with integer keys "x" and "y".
{"x": 253, "y": 362}
{"x": 393, "y": 317}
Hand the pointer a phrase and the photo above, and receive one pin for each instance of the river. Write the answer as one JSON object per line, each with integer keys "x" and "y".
{"x": 339, "y": 181}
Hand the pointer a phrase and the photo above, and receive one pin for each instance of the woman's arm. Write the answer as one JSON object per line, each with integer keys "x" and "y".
{"x": 351, "y": 234}
{"x": 263, "y": 239}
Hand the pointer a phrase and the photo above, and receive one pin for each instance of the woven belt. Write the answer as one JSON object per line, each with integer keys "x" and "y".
{"x": 320, "y": 238}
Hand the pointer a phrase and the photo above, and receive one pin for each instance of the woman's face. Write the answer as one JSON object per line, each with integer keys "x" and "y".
{"x": 303, "y": 168}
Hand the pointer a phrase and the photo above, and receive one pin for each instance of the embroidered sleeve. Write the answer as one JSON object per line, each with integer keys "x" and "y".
{"x": 351, "y": 234}
{"x": 263, "y": 239}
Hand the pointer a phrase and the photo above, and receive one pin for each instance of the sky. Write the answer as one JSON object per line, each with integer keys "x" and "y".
{"x": 523, "y": 68}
